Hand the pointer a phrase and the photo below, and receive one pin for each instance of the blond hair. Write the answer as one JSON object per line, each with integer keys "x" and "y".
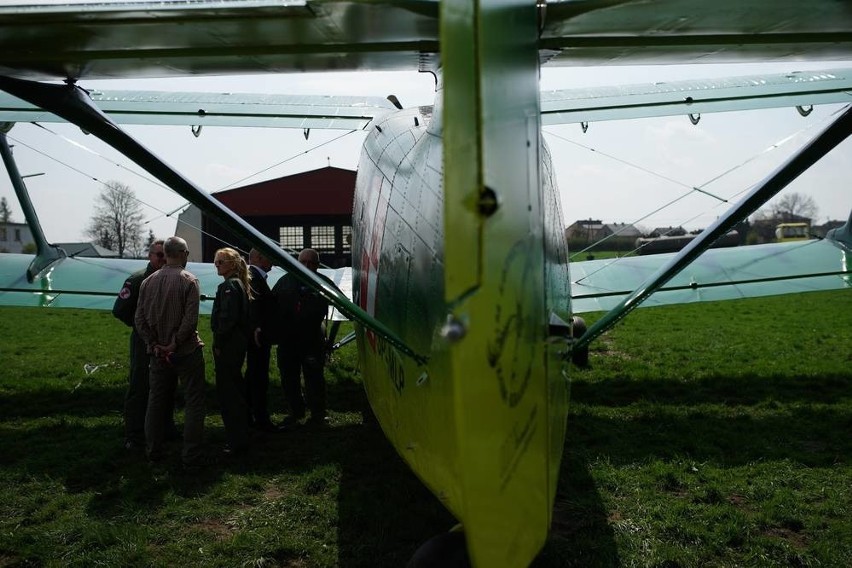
{"x": 241, "y": 267}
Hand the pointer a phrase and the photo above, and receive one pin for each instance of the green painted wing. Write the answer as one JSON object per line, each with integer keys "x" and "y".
{"x": 748, "y": 92}
{"x": 93, "y": 283}
{"x": 718, "y": 274}
{"x": 217, "y": 109}
{"x": 557, "y": 107}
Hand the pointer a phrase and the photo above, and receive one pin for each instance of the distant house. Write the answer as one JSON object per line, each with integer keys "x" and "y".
{"x": 821, "y": 230}
{"x": 667, "y": 232}
{"x": 88, "y": 250}
{"x": 621, "y": 230}
{"x": 585, "y": 232}
{"x": 14, "y": 237}
{"x": 588, "y": 230}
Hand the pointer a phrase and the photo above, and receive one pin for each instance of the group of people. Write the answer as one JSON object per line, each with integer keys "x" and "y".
{"x": 161, "y": 305}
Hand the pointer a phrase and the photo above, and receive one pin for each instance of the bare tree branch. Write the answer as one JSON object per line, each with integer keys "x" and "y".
{"x": 117, "y": 222}
{"x": 790, "y": 206}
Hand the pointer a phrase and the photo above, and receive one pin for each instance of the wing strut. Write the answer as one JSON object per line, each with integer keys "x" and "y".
{"x": 830, "y": 137}
{"x": 74, "y": 105}
{"x": 46, "y": 254}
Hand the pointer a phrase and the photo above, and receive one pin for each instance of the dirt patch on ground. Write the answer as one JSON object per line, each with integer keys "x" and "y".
{"x": 9, "y": 561}
{"x": 605, "y": 347}
{"x": 272, "y": 493}
{"x": 795, "y": 538}
{"x": 219, "y": 530}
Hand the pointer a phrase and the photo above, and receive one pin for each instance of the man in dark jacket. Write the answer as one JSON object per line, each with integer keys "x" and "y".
{"x": 262, "y": 318}
{"x": 302, "y": 345}
{"x": 136, "y": 397}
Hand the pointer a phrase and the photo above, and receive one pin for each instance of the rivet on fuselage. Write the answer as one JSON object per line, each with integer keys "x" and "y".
{"x": 488, "y": 202}
{"x": 453, "y": 330}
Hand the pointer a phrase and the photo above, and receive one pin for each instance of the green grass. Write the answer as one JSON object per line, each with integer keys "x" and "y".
{"x": 71, "y": 496}
{"x": 712, "y": 435}
{"x": 706, "y": 435}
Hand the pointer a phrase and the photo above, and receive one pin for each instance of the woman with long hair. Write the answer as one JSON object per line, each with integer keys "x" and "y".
{"x": 230, "y": 324}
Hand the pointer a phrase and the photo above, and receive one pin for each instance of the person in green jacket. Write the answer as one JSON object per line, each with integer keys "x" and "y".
{"x": 231, "y": 330}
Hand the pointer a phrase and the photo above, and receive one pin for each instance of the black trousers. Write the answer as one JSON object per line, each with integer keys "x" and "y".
{"x": 297, "y": 361}
{"x": 231, "y": 391}
{"x": 257, "y": 382}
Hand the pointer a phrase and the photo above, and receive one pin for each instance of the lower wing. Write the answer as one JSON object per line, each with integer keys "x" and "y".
{"x": 718, "y": 274}
{"x": 94, "y": 283}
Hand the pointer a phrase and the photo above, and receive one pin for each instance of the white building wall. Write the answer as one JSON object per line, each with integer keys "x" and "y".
{"x": 14, "y": 236}
{"x": 189, "y": 229}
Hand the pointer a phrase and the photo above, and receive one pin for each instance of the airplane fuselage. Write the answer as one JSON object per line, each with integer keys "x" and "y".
{"x": 398, "y": 277}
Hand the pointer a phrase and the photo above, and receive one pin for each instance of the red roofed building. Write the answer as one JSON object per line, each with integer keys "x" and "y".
{"x": 311, "y": 209}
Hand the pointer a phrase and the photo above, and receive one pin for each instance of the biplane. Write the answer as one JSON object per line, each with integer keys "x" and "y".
{"x": 462, "y": 296}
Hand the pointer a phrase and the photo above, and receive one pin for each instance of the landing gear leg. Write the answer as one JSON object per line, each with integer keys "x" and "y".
{"x": 448, "y": 550}
{"x": 580, "y": 357}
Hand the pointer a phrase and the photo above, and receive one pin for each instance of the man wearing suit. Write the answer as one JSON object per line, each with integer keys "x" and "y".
{"x": 262, "y": 312}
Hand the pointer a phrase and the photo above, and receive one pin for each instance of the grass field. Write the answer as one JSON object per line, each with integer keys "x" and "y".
{"x": 710, "y": 435}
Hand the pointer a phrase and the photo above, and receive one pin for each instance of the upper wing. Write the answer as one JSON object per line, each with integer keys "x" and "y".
{"x": 749, "y": 92}
{"x": 557, "y": 107}
{"x": 168, "y": 38}
{"x": 620, "y": 32}
{"x": 217, "y": 109}
{"x": 94, "y": 283}
{"x": 177, "y": 38}
{"x": 718, "y": 274}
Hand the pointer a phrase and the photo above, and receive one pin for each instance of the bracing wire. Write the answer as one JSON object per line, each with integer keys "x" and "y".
{"x": 692, "y": 189}
{"x": 156, "y": 182}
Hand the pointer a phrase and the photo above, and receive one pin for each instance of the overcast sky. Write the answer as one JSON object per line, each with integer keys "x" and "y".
{"x": 617, "y": 171}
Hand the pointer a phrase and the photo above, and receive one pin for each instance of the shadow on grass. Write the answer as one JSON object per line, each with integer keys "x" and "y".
{"x": 580, "y": 534}
{"x": 383, "y": 511}
{"x": 731, "y": 421}
{"x": 53, "y": 400}
{"x": 748, "y": 389}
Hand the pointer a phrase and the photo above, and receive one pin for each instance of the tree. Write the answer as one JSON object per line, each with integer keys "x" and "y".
{"x": 5, "y": 210}
{"x": 117, "y": 222}
{"x": 791, "y": 206}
